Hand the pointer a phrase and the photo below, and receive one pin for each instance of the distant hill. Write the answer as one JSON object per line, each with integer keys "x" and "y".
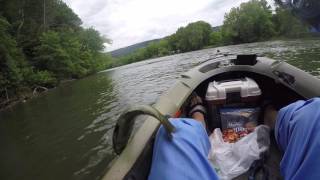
{"x": 129, "y": 49}
{"x": 216, "y": 28}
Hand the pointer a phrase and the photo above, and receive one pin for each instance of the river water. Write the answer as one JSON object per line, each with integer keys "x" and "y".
{"x": 66, "y": 133}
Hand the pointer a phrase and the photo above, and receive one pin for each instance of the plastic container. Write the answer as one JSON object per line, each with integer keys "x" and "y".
{"x": 239, "y": 93}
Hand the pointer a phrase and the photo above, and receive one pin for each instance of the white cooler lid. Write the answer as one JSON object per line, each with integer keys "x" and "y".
{"x": 218, "y": 90}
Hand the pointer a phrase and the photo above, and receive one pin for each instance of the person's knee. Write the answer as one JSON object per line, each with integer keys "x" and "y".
{"x": 297, "y": 133}
{"x": 188, "y": 127}
{"x": 295, "y": 119}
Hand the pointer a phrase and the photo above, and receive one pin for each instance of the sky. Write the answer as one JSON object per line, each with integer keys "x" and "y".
{"x": 127, "y": 22}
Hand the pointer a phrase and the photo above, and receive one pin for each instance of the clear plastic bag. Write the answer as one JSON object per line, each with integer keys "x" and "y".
{"x": 233, "y": 159}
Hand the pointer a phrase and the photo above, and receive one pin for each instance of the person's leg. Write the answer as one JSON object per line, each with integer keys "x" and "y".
{"x": 185, "y": 156}
{"x": 197, "y": 113}
{"x": 297, "y": 131}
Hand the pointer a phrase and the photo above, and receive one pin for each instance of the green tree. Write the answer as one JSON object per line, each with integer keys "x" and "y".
{"x": 11, "y": 58}
{"x": 286, "y": 24}
{"x": 92, "y": 40}
{"x": 59, "y": 15}
{"x": 250, "y": 22}
{"x": 42, "y": 42}
{"x": 216, "y": 38}
{"x": 163, "y": 47}
{"x": 70, "y": 55}
{"x": 193, "y": 37}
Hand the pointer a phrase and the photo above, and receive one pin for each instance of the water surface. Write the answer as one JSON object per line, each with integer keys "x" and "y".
{"x": 66, "y": 133}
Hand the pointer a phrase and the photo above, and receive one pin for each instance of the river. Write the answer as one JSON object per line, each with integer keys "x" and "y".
{"x": 66, "y": 133}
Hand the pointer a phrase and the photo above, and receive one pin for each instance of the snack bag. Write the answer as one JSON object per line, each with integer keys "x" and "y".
{"x": 238, "y": 122}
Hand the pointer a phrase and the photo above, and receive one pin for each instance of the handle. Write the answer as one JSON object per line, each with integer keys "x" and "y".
{"x": 125, "y": 124}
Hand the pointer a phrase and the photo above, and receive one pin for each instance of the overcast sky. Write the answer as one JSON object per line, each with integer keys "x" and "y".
{"x": 127, "y": 22}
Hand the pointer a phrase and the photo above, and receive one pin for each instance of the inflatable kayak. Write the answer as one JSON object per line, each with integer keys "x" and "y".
{"x": 278, "y": 82}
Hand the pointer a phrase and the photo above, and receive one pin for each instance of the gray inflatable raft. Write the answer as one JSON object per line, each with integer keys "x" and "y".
{"x": 279, "y": 82}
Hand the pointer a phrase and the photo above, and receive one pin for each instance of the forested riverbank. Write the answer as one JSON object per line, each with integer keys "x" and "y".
{"x": 252, "y": 21}
{"x": 42, "y": 44}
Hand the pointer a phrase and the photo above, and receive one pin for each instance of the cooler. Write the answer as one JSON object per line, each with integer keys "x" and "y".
{"x": 234, "y": 93}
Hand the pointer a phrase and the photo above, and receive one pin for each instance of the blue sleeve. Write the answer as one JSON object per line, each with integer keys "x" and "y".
{"x": 297, "y": 132}
{"x": 185, "y": 156}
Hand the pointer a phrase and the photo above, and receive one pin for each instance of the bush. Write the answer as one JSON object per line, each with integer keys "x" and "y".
{"x": 40, "y": 78}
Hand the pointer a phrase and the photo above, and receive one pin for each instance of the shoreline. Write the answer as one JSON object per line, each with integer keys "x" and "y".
{"x": 28, "y": 94}
{"x": 21, "y": 98}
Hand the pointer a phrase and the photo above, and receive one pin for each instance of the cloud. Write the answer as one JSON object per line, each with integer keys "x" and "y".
{"x": 128, "y": 22}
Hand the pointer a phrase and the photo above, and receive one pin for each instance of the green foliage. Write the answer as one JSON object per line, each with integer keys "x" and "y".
{"x": 11, "y": 58}
{"x": 68, "y": 54}
{"x": 288, "y": 25}
{"x": 161, "y": 48}
{"x": 60, "y": 15}
{"x": 42, "y": 43}
{"x": 193, "y": 37}
{"x": 40, "y": 78}
{"x": 53, "y": 53}
{"x": 92, "y": 40}
{"x": 250, "y": 22}
{"x": 164, "y": 47}
{"x": 44, "y": 78}
{"x": 216, "y": 38}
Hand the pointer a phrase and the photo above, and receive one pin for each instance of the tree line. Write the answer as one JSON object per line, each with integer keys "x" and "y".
{"x": 250, "y": 22}
{"x": 43, "y": 43}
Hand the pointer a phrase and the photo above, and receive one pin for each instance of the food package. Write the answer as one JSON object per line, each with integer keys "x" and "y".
{"x": 238, "y": 122}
